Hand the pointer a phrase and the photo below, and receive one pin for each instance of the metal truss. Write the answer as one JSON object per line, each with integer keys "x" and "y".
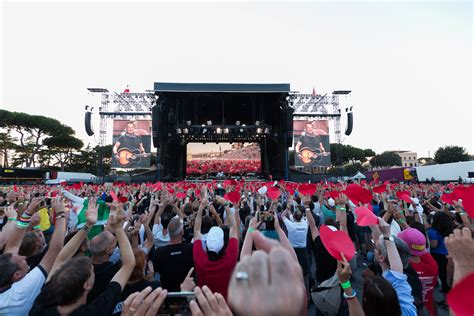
{"x": 122, "y": 105}
{"x": 309, "y": 106}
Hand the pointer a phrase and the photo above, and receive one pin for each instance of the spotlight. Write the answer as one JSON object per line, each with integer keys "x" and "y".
{"x": 185, "y": 131}
{"x": 259, "y": 130}
{"x": 267, "y": 130}
{"x": 218, "y": 130}
{"x": 237, "y": 123}
{"x": 209, "y": 123}
{"x": 87, "y": 107}
{"x": 204, "y": 131}
{"x": 92, "y": 109}
{"x": 350, "y": 108}
{"x": 257, "y": 123}
{"x": 226, "y": 131}
{"x": 203, "y": 125}
{"x": 243, "y": 125}
{"x": 178, "y": 131}
{"x": 241, "y": 130}
{"x": 188, "y": 123}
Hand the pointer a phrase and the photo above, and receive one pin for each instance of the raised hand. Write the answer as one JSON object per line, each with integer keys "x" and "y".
{"x": 384, "y": 228}
{"x": 188, "y": 284}
{"x": 92, "y": 212}
{"x": 343, "y": 270}
{"x": 33, "y": 207}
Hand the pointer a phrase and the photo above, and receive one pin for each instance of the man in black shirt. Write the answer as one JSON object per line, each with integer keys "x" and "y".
{"x": 311, "y": 142}
{"x": 131, "y": 142}
{"x": 174, "y": 261}
{"x": 102, "y": 247}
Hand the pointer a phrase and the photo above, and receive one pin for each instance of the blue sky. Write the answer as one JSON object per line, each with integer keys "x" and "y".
{"x": 409, "y": 64}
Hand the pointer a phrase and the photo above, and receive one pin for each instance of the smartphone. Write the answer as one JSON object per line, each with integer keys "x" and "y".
{"x": 177, "y": 303}
{"x": 264, "y": 217}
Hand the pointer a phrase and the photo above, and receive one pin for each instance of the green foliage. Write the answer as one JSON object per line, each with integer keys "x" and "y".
{"x": 32, "y": 132}
{"x": 342, "y": 154}
{"x": 449, "y": 154}
{"x": 386, "y": 159}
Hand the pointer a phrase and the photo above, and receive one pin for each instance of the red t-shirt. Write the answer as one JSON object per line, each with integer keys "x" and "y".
{"x": 427, "y": 270}
{"x": 215, "y": 274}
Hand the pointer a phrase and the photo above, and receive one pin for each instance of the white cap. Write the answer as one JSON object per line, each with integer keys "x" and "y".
{"x": 215, "y": 239}
{"x": 331, "y": 202}
{"x": 334, "y": 229}
{"x": 219, "y": 186}
{"x": 415, "y": 200}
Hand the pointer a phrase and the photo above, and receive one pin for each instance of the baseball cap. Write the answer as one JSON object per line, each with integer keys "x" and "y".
{"x": 215, "y": 239}
{"x": 415, "y": 200}
{"x": 415, "y": 240}
{"x": 331, "y": 202}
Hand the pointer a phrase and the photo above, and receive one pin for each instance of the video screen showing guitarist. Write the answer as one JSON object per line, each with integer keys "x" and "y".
{"x": 309, "y": 147}
{"x": 128, "y": 149}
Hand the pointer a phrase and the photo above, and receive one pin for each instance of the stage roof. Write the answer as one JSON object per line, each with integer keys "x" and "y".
{"x": 222, "y": 87}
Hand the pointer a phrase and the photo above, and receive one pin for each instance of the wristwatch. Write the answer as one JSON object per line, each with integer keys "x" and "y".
{"x": 389, "y": 238}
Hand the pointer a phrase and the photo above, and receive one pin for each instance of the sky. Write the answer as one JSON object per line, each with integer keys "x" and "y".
{"x": 409, "y": 64}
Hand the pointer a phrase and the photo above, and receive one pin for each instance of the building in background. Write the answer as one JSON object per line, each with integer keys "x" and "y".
{"x": 409, "y": 158}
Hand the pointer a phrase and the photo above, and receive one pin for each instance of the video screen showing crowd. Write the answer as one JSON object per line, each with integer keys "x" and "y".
{"x": 132, "y": 144}
{"x": 311, "y": 140}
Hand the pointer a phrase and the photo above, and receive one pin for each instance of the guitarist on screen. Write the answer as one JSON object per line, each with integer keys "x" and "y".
{"x": 309, "y": 146}
{"x": 131, "y": 142}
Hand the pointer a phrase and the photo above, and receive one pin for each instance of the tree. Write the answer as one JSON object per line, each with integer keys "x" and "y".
{"x": 87, "y": 160}
{"x": 386, "y": 159}
{"x": 449, "y": 154}
{"x": 342, "y": 154}
{"x": 7, "y": 144}
{"x": 62, "y": 147}
{"x": 369, "y": 153}
{"x": 32, "y": 130}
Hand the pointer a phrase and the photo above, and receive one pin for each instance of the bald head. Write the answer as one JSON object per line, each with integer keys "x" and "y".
{"x": 103, "y": 244}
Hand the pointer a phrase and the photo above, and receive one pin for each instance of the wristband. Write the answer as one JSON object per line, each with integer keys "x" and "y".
{"x": 86, "y": 228}
{"x": 348, "y": 297}
{"x": 61, "y": 216}
{"x": 22, "y": 224}
{"x": 37, "y": 227}
{"x": 401, "y": 220}
{"x": 346, "y": 285}
{"x": 341, "y": 208}
{"x": 12, "y": 219}
{"x": 250, "y": 229}
{"x": 26, "y": 215}
{"x": 462, "y": 213}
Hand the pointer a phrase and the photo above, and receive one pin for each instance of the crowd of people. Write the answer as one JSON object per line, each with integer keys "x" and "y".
{"x": 243, "y": 248}
{"x": 228, "y": 166}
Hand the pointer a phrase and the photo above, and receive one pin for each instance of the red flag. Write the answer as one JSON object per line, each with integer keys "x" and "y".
{"x": 314, "y": 92}
{"x": 127, "y": 90}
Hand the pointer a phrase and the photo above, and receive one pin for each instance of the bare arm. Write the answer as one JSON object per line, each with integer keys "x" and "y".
{"x": 73, "y": 245}
{"x": 57, "y": 240}
{"x": 312, "y": 225}
{"x": 198, "y": 222}
{"x": 126, "y": 251}
{"x": 231, "y": 223}
{"x": 178, "y": 211}
{"x": 392, "y": 252}
{"x": 15, "y": 239}
{"x": 283, "y": 239}
{"x": 216, "y": 216}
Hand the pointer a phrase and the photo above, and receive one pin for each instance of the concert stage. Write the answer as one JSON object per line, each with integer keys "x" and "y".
{"x": 252, "y": 115}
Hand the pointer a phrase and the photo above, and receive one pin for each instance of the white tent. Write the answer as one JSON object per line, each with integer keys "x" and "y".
{"x": 359, "y": 175}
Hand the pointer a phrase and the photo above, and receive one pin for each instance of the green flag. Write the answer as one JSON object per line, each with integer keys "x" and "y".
{"x": 102, "y": 217}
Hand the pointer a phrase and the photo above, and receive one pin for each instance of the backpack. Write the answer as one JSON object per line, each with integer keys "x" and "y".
{"x": 327, "y": 296}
